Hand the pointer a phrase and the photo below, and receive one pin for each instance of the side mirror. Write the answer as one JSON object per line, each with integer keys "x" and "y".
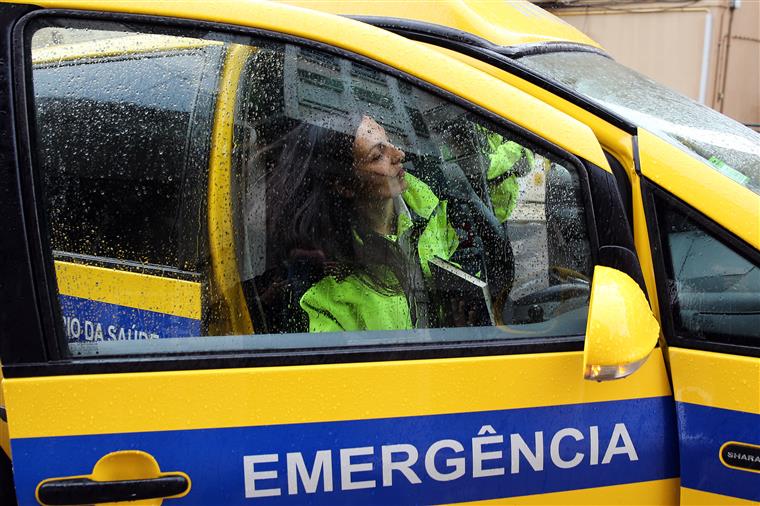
{"x": 621, "y": 331}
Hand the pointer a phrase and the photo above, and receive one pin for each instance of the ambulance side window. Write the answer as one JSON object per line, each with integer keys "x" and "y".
{"x": 714, "y": 289}
{"x": 234, "y": 194}
{"x": 122, "y": 138}
{"x": 486, "y": 228}
{"x": 115, "y": 147}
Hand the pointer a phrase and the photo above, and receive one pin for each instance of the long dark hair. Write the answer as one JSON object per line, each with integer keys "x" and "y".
{"x": 310, "y": 215}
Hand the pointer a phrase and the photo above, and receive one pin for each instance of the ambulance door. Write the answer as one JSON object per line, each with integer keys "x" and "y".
{"x": 705, "y": 231}
{"x": 468, "y": 384}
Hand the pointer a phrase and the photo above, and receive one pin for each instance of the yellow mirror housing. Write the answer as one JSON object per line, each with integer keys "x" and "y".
{"x": 621, "y": 331}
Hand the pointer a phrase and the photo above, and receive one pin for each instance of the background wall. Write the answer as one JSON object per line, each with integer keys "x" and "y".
{"x": 708, "y": 50}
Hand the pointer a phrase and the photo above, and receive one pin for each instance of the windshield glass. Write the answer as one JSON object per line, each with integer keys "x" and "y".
{"x": 726, "y": 145}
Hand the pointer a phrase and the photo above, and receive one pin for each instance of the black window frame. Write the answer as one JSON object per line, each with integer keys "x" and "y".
{"x": 49, "y": 359}
{"x": 668, "y": 303}
{"x": 19, "y": 318}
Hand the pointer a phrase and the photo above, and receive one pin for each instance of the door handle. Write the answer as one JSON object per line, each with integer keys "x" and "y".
{"x": 125, "y": 475}
{"x": 72, "y": 491}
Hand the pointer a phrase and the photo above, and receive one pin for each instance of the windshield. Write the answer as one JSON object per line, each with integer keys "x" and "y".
{"x": 726, "y": 145}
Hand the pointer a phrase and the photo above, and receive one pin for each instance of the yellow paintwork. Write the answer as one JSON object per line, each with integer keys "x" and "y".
{"x": 728, "y": 203}
{"x": 612, "y": 138}
{"x": 232, "y": 315}
{"x": 715, "y": 379}
{"x": 119, "y": 46}
{"x": 125, "y": 465}
{"x": 382, "y": 46}
{"x": 631, "y": 494}
{"x": 694, "y": 497}
{"x": 139, "y": 402}
{"x": 621, "y": 329}
{"x": 132, "y": 289}
{"x": 504, "y": 23}
{"x": 606, "y": 133}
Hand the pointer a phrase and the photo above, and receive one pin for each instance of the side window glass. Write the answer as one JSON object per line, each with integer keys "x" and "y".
{"x": 275, "y": 189}
{"x": 116, "y": 134}
{"x": 715, "y": 290}
{"x": 122, "y": 141}
{"x": 368, "y": 204}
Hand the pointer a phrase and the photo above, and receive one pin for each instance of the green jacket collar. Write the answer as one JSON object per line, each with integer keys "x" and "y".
{"x": 419, "y": 197}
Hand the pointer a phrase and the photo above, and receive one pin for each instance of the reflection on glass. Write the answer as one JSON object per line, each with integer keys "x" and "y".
{"x": 724, "y": 144}
{"x": 198, "y": 188}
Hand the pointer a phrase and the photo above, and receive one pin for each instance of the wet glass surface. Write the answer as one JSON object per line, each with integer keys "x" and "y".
{"x": 724, "y": 144}
{"x": 268, "y": 189}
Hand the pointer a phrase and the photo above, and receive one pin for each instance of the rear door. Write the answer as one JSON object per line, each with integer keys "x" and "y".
{"x": 254, "y": 407}
{"x": 706, "y": 239}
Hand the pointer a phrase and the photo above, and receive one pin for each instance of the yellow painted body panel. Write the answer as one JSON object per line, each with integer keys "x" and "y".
{"x": 379, "y": 45}
{"x": 694, "y": 497}
{"x": 132, "y": 289}
{"x": 504, "y": 23}
{"x": 606, "y": 133}
{"x": 643, "y": 246}
{"x": 612, "y": 138}
{"x": 138, "y": 402}
{"x": 716, "y": 379}
{"x": 658, "y": 492}
{"x": 233, "y": 317}
{"x": 728, "y": 203}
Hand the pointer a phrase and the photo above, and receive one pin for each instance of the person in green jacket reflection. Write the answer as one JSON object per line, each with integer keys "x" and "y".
{"x": 366, "y": 227}
{"x": 508, "y": 161}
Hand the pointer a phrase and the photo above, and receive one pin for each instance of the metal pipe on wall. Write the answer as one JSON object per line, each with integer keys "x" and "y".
{"x": 733, "y": 5}
{"x": 705, "y": 70}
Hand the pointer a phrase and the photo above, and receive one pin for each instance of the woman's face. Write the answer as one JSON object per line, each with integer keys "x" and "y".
{"x": 377, "y": 162}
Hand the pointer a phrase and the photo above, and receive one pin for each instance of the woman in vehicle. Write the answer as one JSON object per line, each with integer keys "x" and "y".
{"x": 356, "y": 228}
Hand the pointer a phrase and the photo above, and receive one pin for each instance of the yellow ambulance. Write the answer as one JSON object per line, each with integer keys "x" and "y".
{"x": 197, "y": 306}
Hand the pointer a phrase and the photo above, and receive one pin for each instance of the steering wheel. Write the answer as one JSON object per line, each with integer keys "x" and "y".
{"x": 573, "y": 290}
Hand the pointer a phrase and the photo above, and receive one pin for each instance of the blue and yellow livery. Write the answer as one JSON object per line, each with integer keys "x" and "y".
{"x": 102, "y": 304}
{"x": 156, "y": 196}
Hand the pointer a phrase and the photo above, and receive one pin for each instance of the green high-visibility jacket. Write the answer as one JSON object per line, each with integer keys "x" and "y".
{"x": 334, "y": 305}
{"x": 502, "y": 173}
